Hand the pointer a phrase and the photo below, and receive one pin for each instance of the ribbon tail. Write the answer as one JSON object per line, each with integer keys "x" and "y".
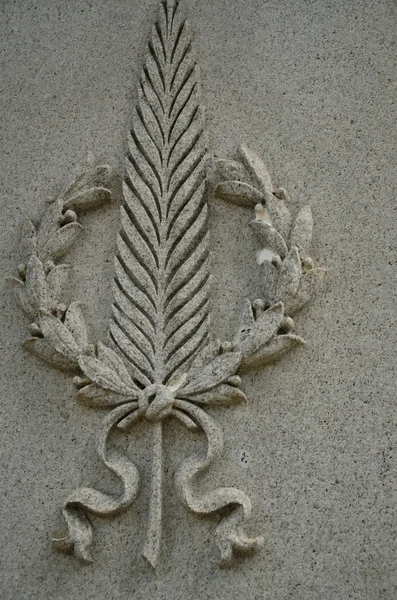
{"x": 230, "y": 536}
{"x": 80, "y": 535}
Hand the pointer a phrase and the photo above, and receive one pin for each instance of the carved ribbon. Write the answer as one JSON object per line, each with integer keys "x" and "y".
{"x": 79, "y": 537}
{"x": 229, "y": 534}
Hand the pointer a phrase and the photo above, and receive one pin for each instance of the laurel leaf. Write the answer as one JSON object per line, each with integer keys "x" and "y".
{"x": 257, "y": 169}
{"x": 289, "y": 276}
{"x": 279, "y": 215}
{"x": 160, "y": 317}
{"x": 35, "y": 282}
{"x": 309, "y": 286}
{"x": 56, "y": 281}
{"x": 59, "y": 336}
{"x": 49, "y": 224}
{"x": 278, "y": 346}
{"x": 231, "y": 169}
{"x": 263, "y": 329}
{"x": 75, "y": 322}
{"x": 269, "y": 238}
{"x": 97, "y": 177}
{"x": 103, "y": 375}
{"x": 239, "y": 193}
{"x": 97, "y": 397}
{"x": 108, "y": 356}
{"x": 45, "y": 351}
{"x": 247, "y": 321}
{"x": 214, "y": 373}
{"x": 301, "y": 235}
{"x": 89, "y": 199}
{"x": 220, "y": 395}
{"x": 61, "y": 241}
{"x": 269, "y": 276}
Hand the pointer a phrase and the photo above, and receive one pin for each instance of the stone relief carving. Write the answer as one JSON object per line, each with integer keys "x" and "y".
{"x": 163, "y": 362}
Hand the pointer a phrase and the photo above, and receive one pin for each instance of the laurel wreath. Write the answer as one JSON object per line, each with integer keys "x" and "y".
{"x": 165, "y": 364}
{"x": 59, "y": 337}
{"x": 59, "y": 334}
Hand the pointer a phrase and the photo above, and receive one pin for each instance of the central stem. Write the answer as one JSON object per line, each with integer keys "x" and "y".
{"x": 151, "y": 549}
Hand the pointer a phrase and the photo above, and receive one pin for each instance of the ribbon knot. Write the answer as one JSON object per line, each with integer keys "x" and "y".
{"x": 156, "y": 401}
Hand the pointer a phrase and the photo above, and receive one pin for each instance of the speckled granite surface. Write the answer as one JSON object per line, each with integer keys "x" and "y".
{"x": 311, "y": 86}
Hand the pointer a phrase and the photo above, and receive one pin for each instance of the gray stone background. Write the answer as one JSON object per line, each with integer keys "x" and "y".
{"x": 311, "y": 85}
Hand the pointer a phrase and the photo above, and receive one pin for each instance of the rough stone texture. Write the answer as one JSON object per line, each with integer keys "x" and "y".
{"x": 310, "y": 86}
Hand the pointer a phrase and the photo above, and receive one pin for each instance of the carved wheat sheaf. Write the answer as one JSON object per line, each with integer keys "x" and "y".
{"x": 160, "y": 313}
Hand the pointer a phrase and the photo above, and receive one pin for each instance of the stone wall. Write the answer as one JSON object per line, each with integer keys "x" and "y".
{"x": 310, "y": 86}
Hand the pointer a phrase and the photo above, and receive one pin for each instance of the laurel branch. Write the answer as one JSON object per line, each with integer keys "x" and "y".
{"x": 290, "y": 279}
